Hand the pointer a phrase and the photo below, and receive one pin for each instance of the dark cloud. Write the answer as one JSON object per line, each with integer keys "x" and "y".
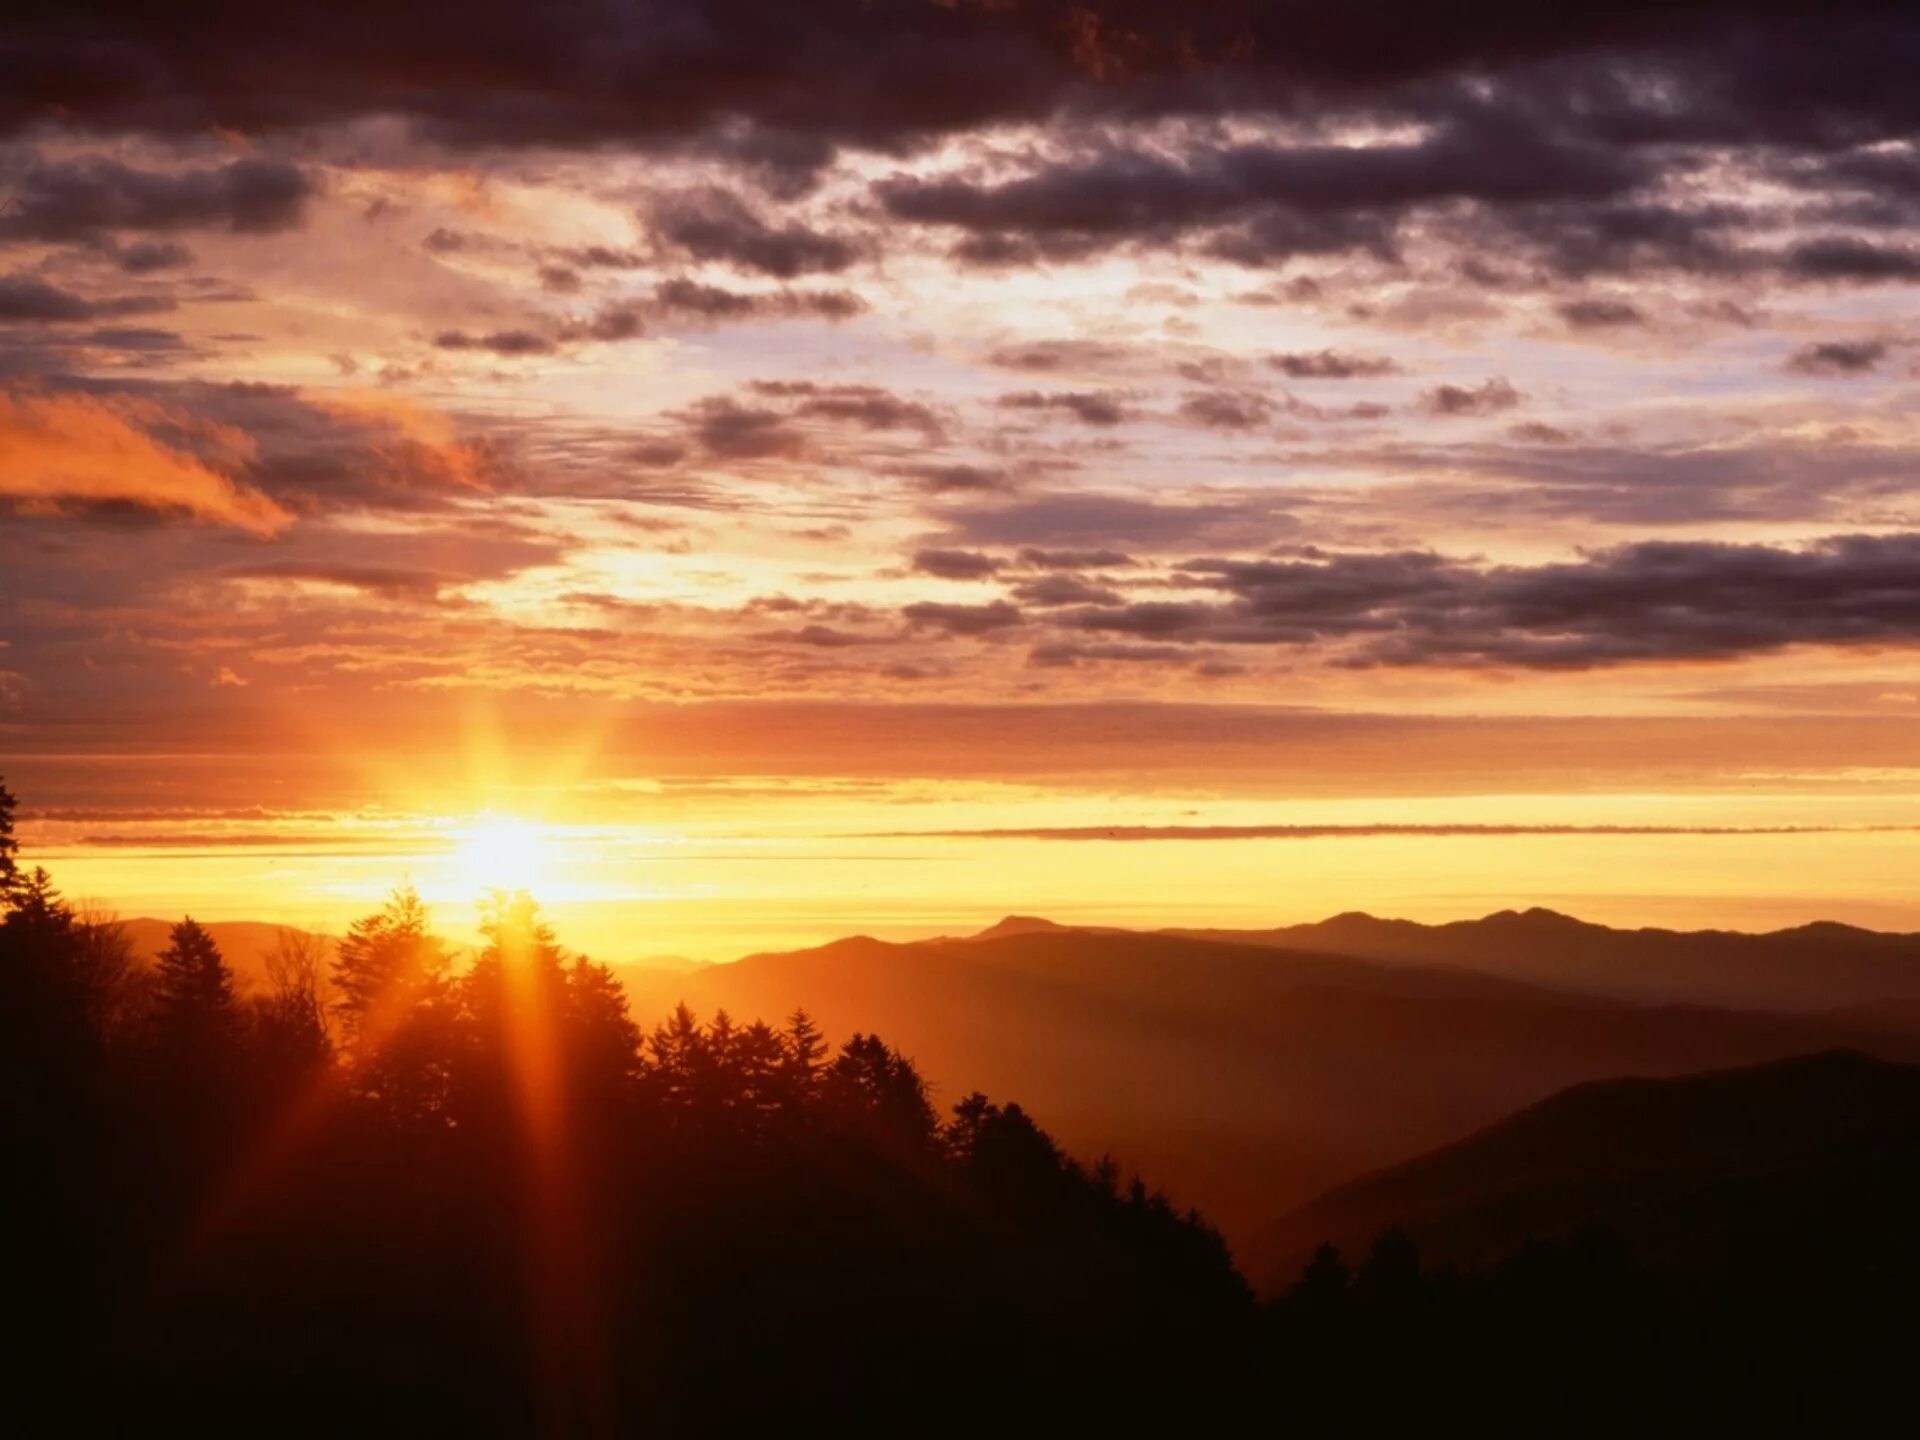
{"x": 681, "y": 296}
{"x": 947, "y": 479}
{"x": 1770, "y": 479}
{"x": 717, "y": 226}
{"x": 1048, "y": 356}
{"x": 1037, "y": 559}
{"x": 1331, "y": 365}
{"x": 724, "y": 427}
{"x": 1260, "y": 203}
{"x": 956, "y": 564}
{"x": 509, "y": 344}
{"x": 1064, "y": 588}
{"x": 866, "y": 406}
{"x": 85, "y": 200}
{"x": 1227, "y": 409}
{"x": 962, "y": 619}
{"x": 1652, "y": 602}
{"x": 1088, "y": 407}
{"x": 24, "y": 297}
{"x": 1600, "y": 314}
{"x": 1838, "y": 357}
{"x": 772, "y": 86}
{"x": 1845, "y": 259}
{"x": 143, "y": 257}
{"x": 1488, "y": 398}
{"x": 135, "y": 338}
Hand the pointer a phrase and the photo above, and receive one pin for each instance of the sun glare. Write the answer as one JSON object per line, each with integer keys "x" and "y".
{"x": 500, "y": 852}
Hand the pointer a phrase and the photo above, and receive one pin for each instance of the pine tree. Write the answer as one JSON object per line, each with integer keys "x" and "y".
{"x": 193, "y": 991}
{"x": 388, "y": 963}
{"x": 806, "y": 1051}
{"x": 9, "y": 847}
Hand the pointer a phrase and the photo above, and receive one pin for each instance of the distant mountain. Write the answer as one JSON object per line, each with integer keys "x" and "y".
{"x": 1244, "y": 1078}
{"x": 1792, "y": 1159}
{"x": 1809, "y": 967}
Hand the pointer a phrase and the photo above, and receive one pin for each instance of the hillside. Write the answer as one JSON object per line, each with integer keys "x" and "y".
{"x": 1791, "y": 1157}
{"x": 1244, "y": 1079}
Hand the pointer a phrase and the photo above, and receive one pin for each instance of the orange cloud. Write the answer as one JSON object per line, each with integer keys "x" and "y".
{"x": 56, "y": 448}
{"x": 425, "y": 440}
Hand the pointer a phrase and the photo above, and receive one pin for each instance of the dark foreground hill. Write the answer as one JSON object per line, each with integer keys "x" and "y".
{"x": 1721, "y": 1254}
{"x": 1808, "y": 967}
{"x": 1246, "y": 1079}
{"x": 1814, "y": 1159}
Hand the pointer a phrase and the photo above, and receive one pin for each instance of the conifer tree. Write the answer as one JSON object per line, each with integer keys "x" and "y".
{"x": 193, "y": 989}
{"x": 9, "y": 847}
{"x": 389, "y": 961}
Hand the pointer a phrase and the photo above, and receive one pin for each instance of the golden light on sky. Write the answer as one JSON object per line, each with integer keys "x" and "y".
{"x": 738, "y": 497}
{"x": 503, "y": 853}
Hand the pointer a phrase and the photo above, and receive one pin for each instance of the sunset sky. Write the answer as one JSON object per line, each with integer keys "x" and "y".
{"x": 763, "y": 471}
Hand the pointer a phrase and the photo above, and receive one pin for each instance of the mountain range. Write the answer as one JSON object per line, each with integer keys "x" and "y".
{"x": 1248, "y": 1072}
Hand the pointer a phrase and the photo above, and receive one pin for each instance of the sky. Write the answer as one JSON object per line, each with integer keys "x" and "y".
{"x": 769, "y": 471}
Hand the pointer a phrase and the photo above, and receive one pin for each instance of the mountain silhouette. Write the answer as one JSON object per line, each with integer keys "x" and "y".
{"x": 1245, "y": 1078}
{"x": 1807, "y": 967}
{"x": 1794, "y": 1157}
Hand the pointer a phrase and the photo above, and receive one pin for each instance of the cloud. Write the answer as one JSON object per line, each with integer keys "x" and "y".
{"x": 1838, "y": 357}
{"x": 1263, "y": 202}
{"x": 955, "y": 478}
{"x": 88, "y": 199}
{"x": 1090, "y": 408}
{"x": 25, "y": 297}
{"x": 725, "y": 427}
{"x": 867, "y": 406}
{"x": 1038, "y": 559}
{"x": 1331, "y": 365}
{"x": 73, "y": 450}
{"x": 1063, "y": 588}
{"x": 143, "y": 257}
{"x": 714, "y": 225}
{"x": 1846, "y": 259}
{"x": 962, "y": 619}
{"x": 956, "y": 564}
{"x": 684, "y": 297}
{"x": 1488, "y": 398}
{"x": 1049, "y": 356}
{"x": 1600, "y": 314}
{"x": 1650, "y": 602}
{"x": 1227, "y": 409}
{"x": 508, "y": 344}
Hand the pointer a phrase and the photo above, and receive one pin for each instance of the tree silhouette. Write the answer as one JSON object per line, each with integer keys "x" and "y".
{"x": 197, "y": 1032}
{"x": 194, "y": 989}
{"x": 9, "y": 847}
{"x": 388, "y": 962}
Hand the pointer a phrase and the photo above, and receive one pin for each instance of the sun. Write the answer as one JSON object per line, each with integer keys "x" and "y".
{"x": 503, "y": 853}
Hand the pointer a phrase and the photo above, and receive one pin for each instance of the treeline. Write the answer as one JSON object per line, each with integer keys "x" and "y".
{"x": 479, "y": 1195}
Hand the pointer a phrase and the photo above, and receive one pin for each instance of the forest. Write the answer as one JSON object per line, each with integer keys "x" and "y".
{"x": 406, "y": 1188}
